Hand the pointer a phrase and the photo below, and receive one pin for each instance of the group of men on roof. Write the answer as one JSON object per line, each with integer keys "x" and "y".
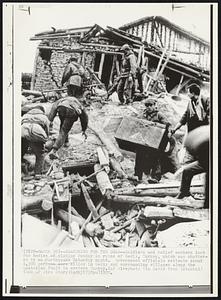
{"x": 36, "y": 125}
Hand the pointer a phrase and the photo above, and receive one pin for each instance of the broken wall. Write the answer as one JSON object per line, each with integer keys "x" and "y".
{"x": 50, "y": 64}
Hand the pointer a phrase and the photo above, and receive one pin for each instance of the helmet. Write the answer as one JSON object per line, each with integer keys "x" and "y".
{"x": 150, "y": 101}
{"x": 125, "y": 47}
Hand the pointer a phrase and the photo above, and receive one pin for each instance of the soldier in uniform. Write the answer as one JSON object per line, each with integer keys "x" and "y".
{"x": 127, "y": 77}
{"x": 69, "y": 109}
{"x": 34, "y": 133}
{"x": 149, "y": 160}
{"x": 72, "y": 75}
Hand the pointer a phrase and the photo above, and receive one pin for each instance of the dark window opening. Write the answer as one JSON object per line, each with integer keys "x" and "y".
{"x": 45, "y": 54}
{"x": 106, "y": 72}
{"x": 97, "y": 62}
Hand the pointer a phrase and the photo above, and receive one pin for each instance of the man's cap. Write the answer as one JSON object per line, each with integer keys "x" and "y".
{"x": 125, "y": 47}
{"x": 73, "y": 58}
{"x": 52, "y": 95}
{"x": 194, "y": 88}
{"x": 150, "y": 101}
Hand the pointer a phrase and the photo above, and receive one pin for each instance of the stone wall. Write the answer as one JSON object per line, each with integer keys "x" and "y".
{"x": 50, "y": 64}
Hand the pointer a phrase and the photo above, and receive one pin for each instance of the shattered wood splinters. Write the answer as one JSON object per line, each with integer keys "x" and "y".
{"x": 89, "y": 202}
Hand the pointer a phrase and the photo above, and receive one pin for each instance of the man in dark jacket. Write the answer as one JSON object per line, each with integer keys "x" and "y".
{"x": 149, "y": 160}
{"x": 127, "y": 76}
{"x": 72, "y": 75}
{"x": 34, "y": 133}
{"x": 196, "y": 114}
{"x": 69, "y": 109}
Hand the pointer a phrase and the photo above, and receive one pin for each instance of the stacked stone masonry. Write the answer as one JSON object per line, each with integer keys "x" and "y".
{"x": 49, "y": 72}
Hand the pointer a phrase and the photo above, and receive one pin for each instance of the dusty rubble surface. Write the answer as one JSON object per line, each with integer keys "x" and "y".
{"x": 121, "y": 213}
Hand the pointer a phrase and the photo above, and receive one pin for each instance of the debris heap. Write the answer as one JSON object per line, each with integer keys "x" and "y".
{"x": 88, "y": 198}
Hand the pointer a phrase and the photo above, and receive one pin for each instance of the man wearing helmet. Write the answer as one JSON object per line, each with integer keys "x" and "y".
{"x": 149, "y": 161}
{"x": 69, "y": 109}
{"x": 127, "y": 76}
{"x": 34, "y": 133}
{"x": 72, "y": 75}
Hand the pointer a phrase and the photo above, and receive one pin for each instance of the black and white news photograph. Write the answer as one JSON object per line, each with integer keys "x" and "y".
{"x": 110, "y": 149}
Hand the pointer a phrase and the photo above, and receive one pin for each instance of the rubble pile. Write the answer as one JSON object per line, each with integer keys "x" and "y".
{"x": 89, "y": 198}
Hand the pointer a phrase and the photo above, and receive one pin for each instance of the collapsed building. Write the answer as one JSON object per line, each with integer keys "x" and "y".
{"x": 69, "y": 207}
{"x": 163, "y": 48}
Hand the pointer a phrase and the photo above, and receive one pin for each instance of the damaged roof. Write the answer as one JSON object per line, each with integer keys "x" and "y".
{"x": 60, "y": 32}
{"x": 167, "y": 23}
{"x": 118, "y": 37}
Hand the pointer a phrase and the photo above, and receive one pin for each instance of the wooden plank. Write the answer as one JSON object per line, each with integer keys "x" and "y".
{"x": 31, "y": 92}
{"x": 103, "y": 180}
{"x": 161, "y": 70}
{"x": 101, "y": 65}
{"x": 117, "y": 167}
{"x": 89, "y": 202}
{"x": 95, "y": 76}
{"x": 186, "y": 69}
{"x": 103, "y": 159}
{"x": 112, "y": 149}
{"x": 158, "y": 34}
{"x": 167, "y": 201}
{"x": 164, "y": 186}
{"x": 112, "y": 69}
{"x": 83, "y": 59}
{"x": 63, "y": 215}
{"x": 80, "y": 50}
{"x": 126, "y": 224}
{"x": 152, "y": 32}
{"x": 179, "y": 85}
{"x": 107, "y": 221}
{"x": 146, "y": 32}
{"x": 169, "y": 43}
{"x": 157, "y": 70}
{"x": 153, "y": 212}
{"x": 193, "y": 214}
{"x": 117, "y": 67}
{"x": 160, "y": 192}
{"x": 185, "y": 82}
{"x": 88, "y": 242}
{"x": 139, "y": 55}
{"x": 101, "y": 45}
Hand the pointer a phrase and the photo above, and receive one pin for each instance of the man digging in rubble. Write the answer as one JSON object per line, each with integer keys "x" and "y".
{"x": 69, "y": 109}
{"x": 34, "y": 133}
{"x": 72, "y": 75}
{"x": 149, "y": 161}
{"x": 127, "y": 77}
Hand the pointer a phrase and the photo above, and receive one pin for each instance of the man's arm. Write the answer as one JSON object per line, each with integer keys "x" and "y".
{"x": 81, "y": 70}
{"x": 47, "y": 124}
{"x": 182, "y": 122}
{"x": 207, "y": 108}
{"x": 163, "y": 120}
{"x": 53, "y": 111}
{"x": 84, "y": 120}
